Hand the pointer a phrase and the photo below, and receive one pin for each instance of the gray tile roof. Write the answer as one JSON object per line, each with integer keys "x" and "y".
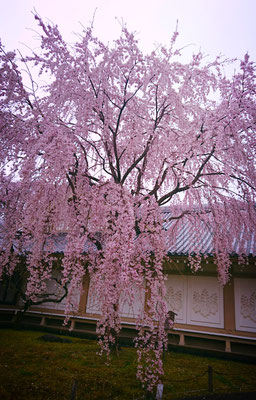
{"x": 198, "y": 238}
{"x": 188, "y": 239}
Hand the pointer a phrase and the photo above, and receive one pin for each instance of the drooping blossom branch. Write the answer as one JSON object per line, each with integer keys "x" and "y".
{"x": 114, "y": 135}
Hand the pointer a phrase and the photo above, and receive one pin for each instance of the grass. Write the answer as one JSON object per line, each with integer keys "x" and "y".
{"x": 34, "y": 369}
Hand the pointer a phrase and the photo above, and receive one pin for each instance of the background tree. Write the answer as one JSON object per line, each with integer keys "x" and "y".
{"x": 97, "y": 150}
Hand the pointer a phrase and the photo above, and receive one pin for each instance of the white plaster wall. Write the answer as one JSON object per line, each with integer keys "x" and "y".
{"x": 130, "y": 307}
{"x": 205, "y": 302}
{"x": 176, "y": 296}
{"x": 196, "y": 300}
{"x": 53, "y": 287}
{"x": 245, "y": 304}
{"x": 93, "y": 305}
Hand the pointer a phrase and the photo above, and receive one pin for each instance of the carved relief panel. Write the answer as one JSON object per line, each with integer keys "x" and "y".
{"x": 93, "y": 305}
{"x": 129, "y": 307}
{"x": 205, "y": 302}
{"x": 55, "y": 290}
{"x": 196, "y": 300}
{"x": 245, "y": 304}
{"x": 176, "y": 296}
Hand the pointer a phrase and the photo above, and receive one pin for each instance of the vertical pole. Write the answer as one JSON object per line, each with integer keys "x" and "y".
{"x": 182, "y": 340}
{"x": 210, "y": 380}
{"x": 228, "y": 347}
{"x": 73, "y": 392}
{"x": 159, "y": 391}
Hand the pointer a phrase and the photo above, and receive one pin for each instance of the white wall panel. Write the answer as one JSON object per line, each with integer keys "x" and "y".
{"x": 130, "y": 307}
{"x": 205, "y": 302}
{"x": 93, "y": 301}
{"x": 53, "y": 287}
{"x": 245, "y": 304}
{"x": 176, "y": 296}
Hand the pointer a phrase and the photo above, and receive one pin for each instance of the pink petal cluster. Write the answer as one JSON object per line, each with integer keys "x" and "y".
{"x": 97, "y": 150}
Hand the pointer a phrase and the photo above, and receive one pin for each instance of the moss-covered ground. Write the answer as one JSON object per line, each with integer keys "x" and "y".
{"x": 34, "y": 369}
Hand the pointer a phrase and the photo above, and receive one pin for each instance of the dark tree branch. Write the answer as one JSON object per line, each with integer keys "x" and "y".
{"x": 165, "y": 198}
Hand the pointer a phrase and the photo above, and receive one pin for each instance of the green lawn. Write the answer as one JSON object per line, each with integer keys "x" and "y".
{"x": 33, "y": 369}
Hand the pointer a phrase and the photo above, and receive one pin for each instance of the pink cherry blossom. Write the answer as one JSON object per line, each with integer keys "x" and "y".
{"x": 98, "y": 150}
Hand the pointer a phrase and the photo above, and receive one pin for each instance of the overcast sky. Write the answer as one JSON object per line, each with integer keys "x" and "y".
{"x": 217, "y": 26}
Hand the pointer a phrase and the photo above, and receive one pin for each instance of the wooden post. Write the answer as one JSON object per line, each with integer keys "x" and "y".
{"x": 84, "y": 294}
{"x": 210, "y": 380}
{"x": 229, "y": 306}
{"x": 182, "y": 340}
{"x": 228, "y": 346}
{"x": 73, "y": 392}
